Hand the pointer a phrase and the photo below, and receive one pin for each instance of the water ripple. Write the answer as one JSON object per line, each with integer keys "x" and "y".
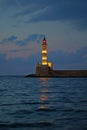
{"x": 21, "y": 125}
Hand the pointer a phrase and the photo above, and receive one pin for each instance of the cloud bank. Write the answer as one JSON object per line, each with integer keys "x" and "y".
{"x": 73, "y": 11}
{"x": 13, "y": 48}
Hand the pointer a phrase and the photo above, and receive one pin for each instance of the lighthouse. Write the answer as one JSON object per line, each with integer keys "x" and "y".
{"x": 44, "y": 52}
{"x": 44, "y": 68}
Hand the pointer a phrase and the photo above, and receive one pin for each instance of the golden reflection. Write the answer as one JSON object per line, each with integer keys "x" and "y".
{"x": 44, "y": 93}
{"x": 44, "y": 81}
{"x": 42, "y": 107}
{"x": 43, "y": 97}
{"x": 45, "y": 90}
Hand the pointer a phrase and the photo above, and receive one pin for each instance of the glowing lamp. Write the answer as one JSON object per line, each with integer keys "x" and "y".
{"x": 50, "y": 64}
{"x": 44, "y": 40}
{"x": 44, "y": 51}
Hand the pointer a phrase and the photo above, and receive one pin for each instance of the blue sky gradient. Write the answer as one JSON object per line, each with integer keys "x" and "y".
{"x": 23, "y": 25}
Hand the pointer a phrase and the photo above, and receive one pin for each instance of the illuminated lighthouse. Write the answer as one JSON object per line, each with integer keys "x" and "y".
{"x": 44, "y": 68}
{"x": 44, "y": 52}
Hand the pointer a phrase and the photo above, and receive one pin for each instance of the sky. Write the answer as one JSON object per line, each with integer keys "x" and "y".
{"x": 23, "y": 25}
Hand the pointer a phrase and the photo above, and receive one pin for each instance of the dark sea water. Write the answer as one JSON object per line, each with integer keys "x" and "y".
{"x": 43, "y": 104}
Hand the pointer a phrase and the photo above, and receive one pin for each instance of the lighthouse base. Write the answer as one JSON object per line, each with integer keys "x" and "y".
{"x": 43, "y": 70}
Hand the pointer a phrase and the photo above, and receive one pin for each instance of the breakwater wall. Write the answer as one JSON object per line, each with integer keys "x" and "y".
{"x": 70, "y": 73}
{"x": 62, "y": 74}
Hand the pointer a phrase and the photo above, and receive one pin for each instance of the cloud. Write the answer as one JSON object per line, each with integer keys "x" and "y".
{"x": 30, "y": 9}
{"x": 9, "y": 39}
{"x": 73, "y": 11}
{"x": 35, "y": 37}
{"x": 12, "y": 47}
{"x": 31, "y": 38}
{"x": 12, "y": 38}
{"x": 62, "y": 57}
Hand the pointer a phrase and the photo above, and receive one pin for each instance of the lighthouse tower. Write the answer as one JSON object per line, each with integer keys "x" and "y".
{"x": 44, "y": 68}
{"x": 44, "y": 52}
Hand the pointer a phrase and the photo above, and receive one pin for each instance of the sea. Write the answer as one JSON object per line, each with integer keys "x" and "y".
{"x": 43, "y": 103}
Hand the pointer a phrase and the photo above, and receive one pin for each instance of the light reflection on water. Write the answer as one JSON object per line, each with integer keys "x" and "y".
{"x": 44, "y": 91}
{"x": 44, "y": 81}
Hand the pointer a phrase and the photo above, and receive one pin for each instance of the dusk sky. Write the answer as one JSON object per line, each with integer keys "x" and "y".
{"x": 23, "y": 25}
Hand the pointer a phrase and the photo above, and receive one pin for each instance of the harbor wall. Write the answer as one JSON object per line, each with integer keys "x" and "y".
{"x": 47, "y": 71}
{"x": 70, "y": 73}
